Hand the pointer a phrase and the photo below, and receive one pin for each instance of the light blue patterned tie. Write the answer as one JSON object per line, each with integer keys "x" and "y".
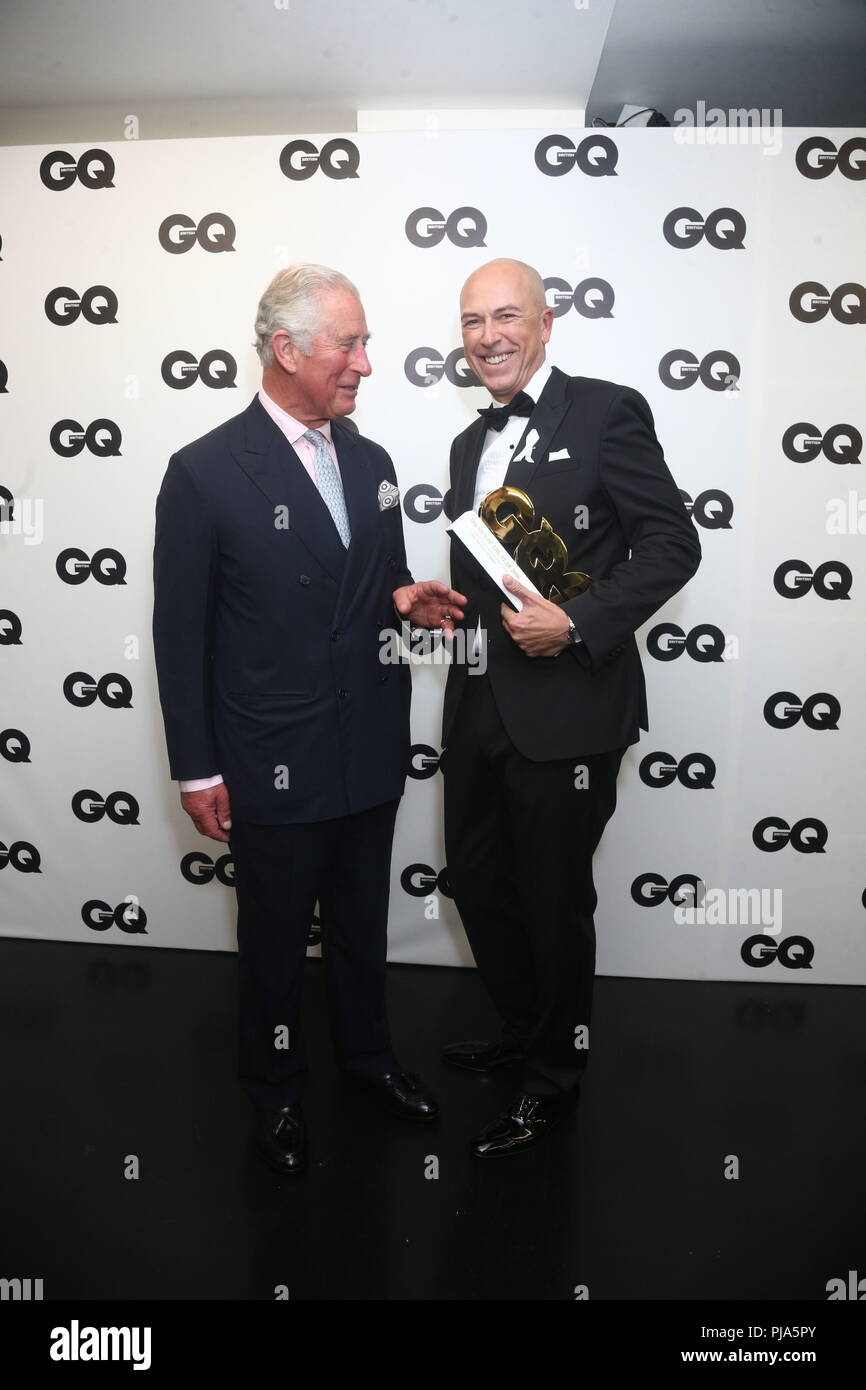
{"x": 329, "y": 485}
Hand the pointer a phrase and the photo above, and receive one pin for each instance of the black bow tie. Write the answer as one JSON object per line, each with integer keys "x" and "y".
{"x": 496, "y": 416}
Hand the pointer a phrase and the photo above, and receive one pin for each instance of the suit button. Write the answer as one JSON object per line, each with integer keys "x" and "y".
{"x": 304, "y": 579}
{"x": 343, "y": 692}
{"x": 392, "y": 562}
{"x": 382, "y": 679}
{"x": 335, "y": 635}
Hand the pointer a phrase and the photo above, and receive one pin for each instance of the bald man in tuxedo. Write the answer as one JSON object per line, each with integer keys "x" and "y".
{"x": 532, "y": 748}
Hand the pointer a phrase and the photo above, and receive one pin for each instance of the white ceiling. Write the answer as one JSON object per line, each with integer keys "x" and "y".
{"x": 358, "y": 53}
{"x": 291, "y": 57}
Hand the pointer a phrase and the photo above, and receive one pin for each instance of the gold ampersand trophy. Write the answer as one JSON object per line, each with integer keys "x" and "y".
{"x": 533, "y": 543}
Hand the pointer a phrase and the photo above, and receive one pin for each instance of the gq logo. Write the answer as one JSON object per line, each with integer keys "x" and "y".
{"x": 425, "y": 366}
{"x": 724, "y": 229}
{"x": 14, "y": 746}
{"x": 593, "y": 298}
{"x": 803, "y": 442}
{"x": 97, "y": 305}
{"x": 120, "y": 807}
{"x": 107, "y": 566}
{"x": 812, "y": 301}
{"x": 10, "y": 628}
{"x": 794, "y": 578}
{"x": 113, "y": 690}
{"x": 819, "y": 711}
{"x": 796, "y": 952}
{"x": 695, "y": 771}
{"x": 179, "y": 233}
{"x": 807, "y": 836}
{"x": 101, "y": 437}
{"x": 59, "y": 170}
{"x": 464, "y": 227}
{"x": 22, "y": 856}
{"x": 597, "y": 156}
{"x": 711, "y": 509}
{"x": 423, "y": 502}
{"x": 817, "y": 157}
{"x": 4, "y": 377}
{"x": 419, "y": 880}
{"x": 704, "y": 643}
{"x": 686, "y": 890}
{"x": 423, "y": 763}
{"x": 180, "y": 369}
{"x": 718, "y": 371}
{"x": 339, "y": 159}
{"x": 200, "y": 868}
{"x": 129, "y": 916}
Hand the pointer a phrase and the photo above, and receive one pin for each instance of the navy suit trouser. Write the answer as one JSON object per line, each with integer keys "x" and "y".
{"x": 281, "y": 871}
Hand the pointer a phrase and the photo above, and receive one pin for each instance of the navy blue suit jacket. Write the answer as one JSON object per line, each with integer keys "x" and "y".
{"x": 266, "y": 629}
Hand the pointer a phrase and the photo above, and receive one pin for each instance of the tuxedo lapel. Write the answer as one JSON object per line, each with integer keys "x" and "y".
{"x": 271, "y": 463}
{"x": 467, "y": 468}
{"x": 531, "y": 449}
{"x": 540, "y": 429}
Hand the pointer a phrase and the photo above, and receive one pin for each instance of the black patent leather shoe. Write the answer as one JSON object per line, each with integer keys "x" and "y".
{"x": 481, "y": 1056}
{"x": 522, "y": 1124}
{"x": 280, "y": 1136}
{"x": 402, "y": 1094}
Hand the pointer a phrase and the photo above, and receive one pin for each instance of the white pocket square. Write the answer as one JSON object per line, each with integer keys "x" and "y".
{"x": 560, "y": 454}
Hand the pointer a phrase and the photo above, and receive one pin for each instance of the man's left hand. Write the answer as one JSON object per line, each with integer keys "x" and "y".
{"x": 429, "y": 604}
{"x": 540, "y": 628}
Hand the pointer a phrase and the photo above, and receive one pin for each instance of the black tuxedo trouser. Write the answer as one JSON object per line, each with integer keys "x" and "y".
{"x": 519, "y": 841}
{"x": 280, "y": 873}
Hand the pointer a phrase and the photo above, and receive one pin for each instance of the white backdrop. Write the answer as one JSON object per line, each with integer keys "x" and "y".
{"x": 70, "y": 224}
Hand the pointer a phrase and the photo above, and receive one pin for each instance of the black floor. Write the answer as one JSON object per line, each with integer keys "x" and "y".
{"x": 118, "y": 1052}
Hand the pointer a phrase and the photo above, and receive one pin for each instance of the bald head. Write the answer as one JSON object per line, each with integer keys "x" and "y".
{"x": 505, "y": 323}
{"x": 503, "y": 271}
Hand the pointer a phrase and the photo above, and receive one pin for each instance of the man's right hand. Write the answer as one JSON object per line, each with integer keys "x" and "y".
{"x": 209, "y": 811}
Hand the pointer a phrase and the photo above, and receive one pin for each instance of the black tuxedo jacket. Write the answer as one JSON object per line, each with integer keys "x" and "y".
{"x": 266, "y": 629}
{"x": 639, "y": 547}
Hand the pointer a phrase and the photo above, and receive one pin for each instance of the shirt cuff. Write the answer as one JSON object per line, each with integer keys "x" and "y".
{"x": 198, "y": 784}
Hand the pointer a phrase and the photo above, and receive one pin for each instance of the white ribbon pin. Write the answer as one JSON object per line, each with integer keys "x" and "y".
{"x": 525, "y": 455}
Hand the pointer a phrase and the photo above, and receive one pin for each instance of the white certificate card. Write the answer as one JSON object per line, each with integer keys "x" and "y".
{"x": 491, "y": 555}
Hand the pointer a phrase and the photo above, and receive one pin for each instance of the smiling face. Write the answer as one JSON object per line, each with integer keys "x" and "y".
{"x": 505, "y": 325}
{"x": 324, "y": 385}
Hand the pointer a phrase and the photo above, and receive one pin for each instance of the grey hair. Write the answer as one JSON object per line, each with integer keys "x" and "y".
{"x": 292, "y": 302}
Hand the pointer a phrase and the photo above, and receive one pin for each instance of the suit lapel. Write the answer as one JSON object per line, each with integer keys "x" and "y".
{"x": 271, "y": 463}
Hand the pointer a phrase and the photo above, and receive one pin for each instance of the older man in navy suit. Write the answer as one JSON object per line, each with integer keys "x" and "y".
{"x": 279, "y": 559}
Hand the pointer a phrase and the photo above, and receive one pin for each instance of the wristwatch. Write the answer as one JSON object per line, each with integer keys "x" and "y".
{"x": 573, "y": 637}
